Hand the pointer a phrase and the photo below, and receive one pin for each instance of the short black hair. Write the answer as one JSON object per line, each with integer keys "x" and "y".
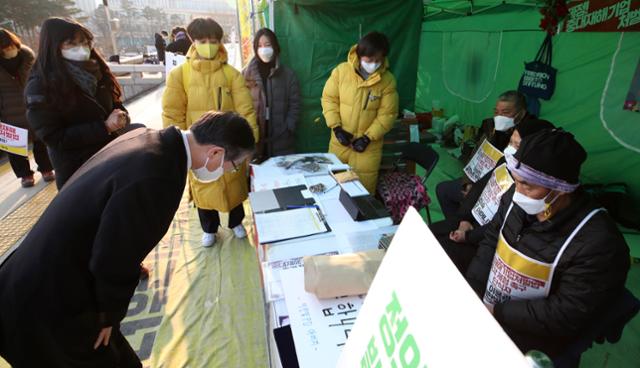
{"x": 271, "y": 36}
{"x": 227, "y": 130}
{"x": 204, "y": 28}
{"x": 164, "y": 33}
{"x": 518, "y": 99}
{"x": 373, "y": 44}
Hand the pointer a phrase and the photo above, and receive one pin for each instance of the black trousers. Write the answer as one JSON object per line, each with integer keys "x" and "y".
{"x": 450, "y": 196}
{"x": 210, "y": 219}
{"x": 21, "y": 166}
{"x": 461, "y": 254}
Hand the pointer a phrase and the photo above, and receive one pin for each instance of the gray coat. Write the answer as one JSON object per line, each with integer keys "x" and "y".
{"x": 277, "y": 136}
{"x": 12, "y": 107}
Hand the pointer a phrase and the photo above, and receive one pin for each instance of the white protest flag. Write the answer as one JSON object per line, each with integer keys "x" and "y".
{"x": 420, "y": 312}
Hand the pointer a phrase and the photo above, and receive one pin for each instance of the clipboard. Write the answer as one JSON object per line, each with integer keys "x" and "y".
{"x": 278, "y": 226}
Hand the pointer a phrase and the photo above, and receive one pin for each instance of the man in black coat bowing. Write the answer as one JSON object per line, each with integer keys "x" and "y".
{"x": 64, "y": 291}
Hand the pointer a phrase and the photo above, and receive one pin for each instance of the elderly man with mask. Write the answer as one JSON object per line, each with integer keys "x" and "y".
{"x": 551, "y": 261}
{"x": 510, "y": 110}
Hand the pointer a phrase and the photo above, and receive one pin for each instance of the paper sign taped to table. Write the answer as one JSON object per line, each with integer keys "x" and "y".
{"x": 483, "y": 161}
{"x": 320, "y": 327}
{"x": 14, "y": 140}
{"x": 489, "y": 201}
{"x": 420, "y": 312}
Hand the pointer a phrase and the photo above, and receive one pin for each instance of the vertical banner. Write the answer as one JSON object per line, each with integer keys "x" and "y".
{"x": 14, "y": 140}
{"x": 246, "y": 31}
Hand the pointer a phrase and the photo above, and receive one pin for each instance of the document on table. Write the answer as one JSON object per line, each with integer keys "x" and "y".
{"x": 290, "y": 224}
{"x": 266, "y": 182}
{"x": 320, "y": 327}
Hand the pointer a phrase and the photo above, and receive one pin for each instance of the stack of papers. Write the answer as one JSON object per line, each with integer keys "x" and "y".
{"x": 290, "y": 224}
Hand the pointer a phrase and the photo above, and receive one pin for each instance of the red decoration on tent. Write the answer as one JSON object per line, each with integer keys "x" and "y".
{"x": 553, "y": 12}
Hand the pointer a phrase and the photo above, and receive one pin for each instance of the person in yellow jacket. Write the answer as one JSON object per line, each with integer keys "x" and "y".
{"x": 203, "y": 83}
{"x": 360, "y": 105}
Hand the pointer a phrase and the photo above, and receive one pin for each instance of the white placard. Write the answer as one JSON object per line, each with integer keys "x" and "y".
{"x": 489, "y": 201}
{"x": 420, "y": 312}
{"x": 172, "y": 60}
{"x": 14, "y": 140}
{"x": 483, "y": 161}
{"x": 320, "y": 327}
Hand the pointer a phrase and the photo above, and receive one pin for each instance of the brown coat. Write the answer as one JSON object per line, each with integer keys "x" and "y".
{"x": 12, "y": 107}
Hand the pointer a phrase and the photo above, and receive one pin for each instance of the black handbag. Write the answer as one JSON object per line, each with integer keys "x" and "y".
{"x": 539, "y": 77}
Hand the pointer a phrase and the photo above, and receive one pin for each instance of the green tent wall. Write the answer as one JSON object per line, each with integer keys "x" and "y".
{"x": 466, "y": 62}
{"x": 316, "y": 35}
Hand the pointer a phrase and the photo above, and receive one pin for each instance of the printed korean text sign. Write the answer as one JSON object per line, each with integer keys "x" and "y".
{"x": 483, "y": 161}
{"x": 14, "y": 140}
{"x": 320, "y": 327}
{"x": 489, "y": 201}
{"x": 514, "y": 275}
{"x": 603, "y": 16}
{"x": 420, "y": 312}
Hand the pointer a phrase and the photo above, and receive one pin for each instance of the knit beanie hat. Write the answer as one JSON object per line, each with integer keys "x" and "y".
{"x": 550, "y": 158}
{"x": 531, "y": 126}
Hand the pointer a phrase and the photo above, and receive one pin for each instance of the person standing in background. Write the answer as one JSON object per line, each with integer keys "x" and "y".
{"x": 73, "y": 100}
{"x": 181, "y": 43}
{"x": 276, "y": 97}
{"x": 16, "y": 61}
{"x": 205, "y": 82}
{"x": 161, "y": 44}
{"x": 360, "y": 105}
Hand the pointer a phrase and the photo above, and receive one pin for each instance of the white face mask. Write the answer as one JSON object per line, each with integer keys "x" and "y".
{"x": 510, "y": 150}
{"x": 205, "y": 176}
{"x": 532, "y": 206}
{"x": 369, "y": 67}
{"x": 78, "y": 53}
{"x": 503, "y": 123}
{"x": 265, "y": 53}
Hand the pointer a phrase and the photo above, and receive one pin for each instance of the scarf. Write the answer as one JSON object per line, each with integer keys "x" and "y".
{"x": 85, "y": 74}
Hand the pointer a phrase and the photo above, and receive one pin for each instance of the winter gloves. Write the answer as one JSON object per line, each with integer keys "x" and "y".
{"x": 360, "y": 144}
{"x": 345, "y": 138}
{"x": 342, "y": 136}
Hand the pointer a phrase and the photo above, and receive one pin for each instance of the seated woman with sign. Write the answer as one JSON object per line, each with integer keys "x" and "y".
{"x": 492, "y": 138}
{"x": 551, "y": 260}
{"x": 460, "y": 235}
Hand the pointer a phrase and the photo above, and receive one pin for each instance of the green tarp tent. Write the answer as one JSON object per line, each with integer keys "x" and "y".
{"x": 464, "y": 54}
{"x": 465, "y": 62}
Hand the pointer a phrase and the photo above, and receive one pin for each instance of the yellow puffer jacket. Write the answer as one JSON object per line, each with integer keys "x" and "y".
{"x": 211, "y": 85}
{"x": 362, "y": 107}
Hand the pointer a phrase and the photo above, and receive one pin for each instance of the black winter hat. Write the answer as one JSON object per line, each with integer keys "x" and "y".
{"x": 553, "y": 152}
{"x": 531, "y": 126}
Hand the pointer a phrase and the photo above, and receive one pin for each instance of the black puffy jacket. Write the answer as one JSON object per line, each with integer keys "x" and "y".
{"x": 72, "y": 134}
{"x": 591, "y": 272}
